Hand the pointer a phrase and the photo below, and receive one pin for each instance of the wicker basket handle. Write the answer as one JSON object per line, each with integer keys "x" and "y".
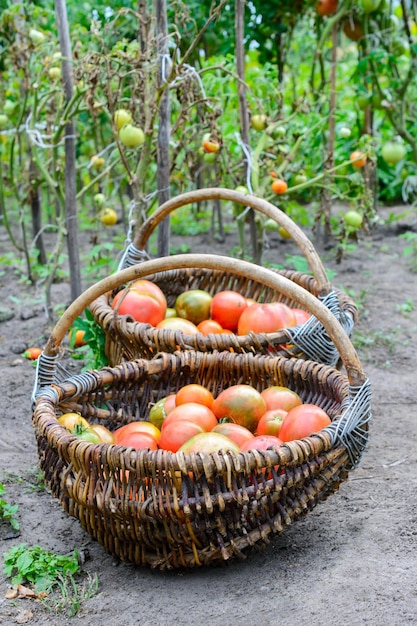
{"x": 244, "y": 268}
{"x": 258, "y": 204}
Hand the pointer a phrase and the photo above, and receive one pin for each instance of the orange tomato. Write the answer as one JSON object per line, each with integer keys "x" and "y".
{"x": 242, "y": 404}
{"x": 207, "y": 327}
{"x": 227, "y": 307}
{"x": 279, "y": 186}
{"x": 79, "y": 338}
{"x": 142, "y": 307}
{"x": 32, "y": 353}
{"x": 194, "y": 393}
{"x": 357, "y": 159}
{"x": 191, "y": 412}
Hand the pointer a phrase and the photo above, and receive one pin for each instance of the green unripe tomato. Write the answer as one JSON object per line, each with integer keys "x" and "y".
{"x": 369, "y": 6}
{"x": 131, "y": 136}
{"x": 242, "y": 189}
{"x": 210, "y": 157}
{"x": 353, "y": 219}
{"x": 279, "y": 131}
{"x": 99, "y": 199}
{"x": 300, "y": 179}
{"x": 54, "y": 73}
{"x": 258, "y": 122}
{"x": 36, "y": 36}
{"x": 271, "y": 225}
{"x": 122, "y": 117}
{"x": 8, "y": 107}
{"x": 392, "y": 152}
{"x": 3, "y": 121}
{"x": 344, "y": 132}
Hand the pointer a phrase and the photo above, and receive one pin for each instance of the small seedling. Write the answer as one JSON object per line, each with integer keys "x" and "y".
{"x": 42, "y": 568}
{"x": 8, "y": 511}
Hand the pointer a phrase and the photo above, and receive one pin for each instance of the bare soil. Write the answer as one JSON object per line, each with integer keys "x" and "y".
{"x": 351, "y": 560}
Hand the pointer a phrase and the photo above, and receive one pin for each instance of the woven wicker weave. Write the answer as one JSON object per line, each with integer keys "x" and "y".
{"x": 127, "y": 339}
{"x": 173, "y": 510}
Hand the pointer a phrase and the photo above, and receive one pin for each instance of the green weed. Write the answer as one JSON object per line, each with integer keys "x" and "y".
{"x": 8, "y": 511}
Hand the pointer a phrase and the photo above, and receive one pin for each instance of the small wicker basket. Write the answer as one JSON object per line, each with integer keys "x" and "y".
{"x": 127, "y": 339}
{"x": 170, "y": 510}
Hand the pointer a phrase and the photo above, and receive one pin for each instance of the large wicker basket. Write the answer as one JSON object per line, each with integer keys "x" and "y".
{"x": 127, "y": 339}
{"x": 170, "y": 510}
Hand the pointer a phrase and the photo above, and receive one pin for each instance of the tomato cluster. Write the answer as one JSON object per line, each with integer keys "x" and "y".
{"x": 197, "y": 311}
{"x": 240, "y": 418}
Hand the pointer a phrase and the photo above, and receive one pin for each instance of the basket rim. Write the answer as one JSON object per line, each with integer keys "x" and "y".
{"x": 307, "y": 448}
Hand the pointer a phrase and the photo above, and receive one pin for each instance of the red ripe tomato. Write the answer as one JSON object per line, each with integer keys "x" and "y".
{"x": 326, "y": 7}
{"x": 192, "y": 412}
{"x": 286, "y": 314}
{"x": 141, "y": 306}
{"x": 209, "y": 443}
{"x": 300, "y": 315}
{"x": 235, "y": 432}
{"x": 242, "y": 404}
{"x": 178, "y": 432}
{"x": 146, "y": 286}
{"x": 136, "y": 427}
{"x": 277, "y": 397}
{"x": 302, "y": 421}
{"x": 227, "y": 307}
{"x": 138, "y": 441}
{"x": 265, "y": 318}
{"x": 261, "y": 442}
{"x": 270, "y": 422}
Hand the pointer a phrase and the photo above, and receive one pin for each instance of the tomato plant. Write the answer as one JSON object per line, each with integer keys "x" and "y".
{"x": 227, "y": 307}
{"x": 303, "y": 421}
{"x": 242, "y": 404}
